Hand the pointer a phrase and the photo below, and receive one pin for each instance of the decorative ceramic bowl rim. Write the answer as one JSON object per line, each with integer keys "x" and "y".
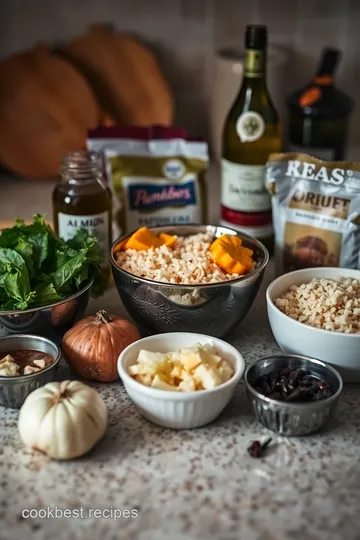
{"x": 244, "y": 278}
{"x": 47, "y": 306}
{"x": 296, "y": 405}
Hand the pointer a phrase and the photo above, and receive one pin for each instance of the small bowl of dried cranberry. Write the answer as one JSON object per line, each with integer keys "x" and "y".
{"x": 293, "y": 395}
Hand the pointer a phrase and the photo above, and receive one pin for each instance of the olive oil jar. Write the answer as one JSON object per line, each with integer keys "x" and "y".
{"x": 83, "y": 200}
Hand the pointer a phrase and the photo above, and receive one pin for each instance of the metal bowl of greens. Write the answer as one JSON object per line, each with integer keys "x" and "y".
{"x": 45, "y": 283}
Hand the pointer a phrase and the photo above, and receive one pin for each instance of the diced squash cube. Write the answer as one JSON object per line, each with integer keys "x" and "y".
{"x": 167, "y": 239}
{"x": 121, "y": 246}
{"x": 229, "y": 254}
{"x": 142, "y": 240}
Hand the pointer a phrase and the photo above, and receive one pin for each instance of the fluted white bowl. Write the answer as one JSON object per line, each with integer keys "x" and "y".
{"x": 179, "y": 410}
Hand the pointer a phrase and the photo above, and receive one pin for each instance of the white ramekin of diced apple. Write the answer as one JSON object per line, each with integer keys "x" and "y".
{"x": 180, "y": 380}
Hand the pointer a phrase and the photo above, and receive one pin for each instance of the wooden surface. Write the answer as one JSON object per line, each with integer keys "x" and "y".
{"x": 6, "y": 223}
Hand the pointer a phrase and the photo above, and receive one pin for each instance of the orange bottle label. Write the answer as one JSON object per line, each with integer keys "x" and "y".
{"x": 324, "y": 80}
{"x": 311, "y": 96}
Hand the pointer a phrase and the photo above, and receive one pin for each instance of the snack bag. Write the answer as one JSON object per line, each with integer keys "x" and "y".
{"x": 316, "y": 211}
{"x": 156, "y": 175}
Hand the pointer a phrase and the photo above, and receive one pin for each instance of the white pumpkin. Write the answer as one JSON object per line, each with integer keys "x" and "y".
{"x": 63, "y": 419}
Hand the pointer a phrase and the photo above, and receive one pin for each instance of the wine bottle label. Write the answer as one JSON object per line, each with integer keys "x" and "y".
{"x": 245, "y": 202}
{"x": 255, "y": 63}
{"x": 96, "y": 224}
{"x": 326, "y": 154}
{"x": 243, "y": 187}
{"x": 250, "y": 126}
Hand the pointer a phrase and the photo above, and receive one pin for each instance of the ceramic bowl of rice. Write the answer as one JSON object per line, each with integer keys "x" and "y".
{"x": 316, "y": 312}
{"x": 181, "y": 288}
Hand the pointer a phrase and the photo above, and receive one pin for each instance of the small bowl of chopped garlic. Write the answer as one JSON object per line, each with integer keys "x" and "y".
{"x": 180, "y": 380}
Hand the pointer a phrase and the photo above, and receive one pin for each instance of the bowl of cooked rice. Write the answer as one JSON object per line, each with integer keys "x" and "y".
{"x": 178, "y": 286}
{"x": 316, "y": 312}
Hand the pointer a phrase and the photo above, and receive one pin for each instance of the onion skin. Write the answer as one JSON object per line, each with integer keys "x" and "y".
{"x": 92, "y": 346}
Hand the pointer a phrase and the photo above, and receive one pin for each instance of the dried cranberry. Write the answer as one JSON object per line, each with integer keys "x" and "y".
{"x": 256, "y": 449}
{"x": 296, "y": 395}
{"x": 276, "y": 395}
{"x": 273, "y": 380}
{"x": 292, "y": 385}
{"x": 323, "y": 385}
{"x": 294, "y": 377}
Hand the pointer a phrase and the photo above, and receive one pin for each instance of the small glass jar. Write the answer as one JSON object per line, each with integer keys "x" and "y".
{"x": 82, "y": 200}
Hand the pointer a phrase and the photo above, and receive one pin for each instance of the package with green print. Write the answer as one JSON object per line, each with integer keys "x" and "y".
{"x": 157, "y": 175}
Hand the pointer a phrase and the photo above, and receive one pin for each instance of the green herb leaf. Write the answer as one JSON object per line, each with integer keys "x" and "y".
{"x": 46, "y": 294}
{"x": 9, "y": 258}
{"x": 17, "y": 287}
{"x": 68, "y": 270}
{"x": 25, "y": 249}
{"x": 38, "y": 268}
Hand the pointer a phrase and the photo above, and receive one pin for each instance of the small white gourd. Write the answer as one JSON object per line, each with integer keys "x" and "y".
{"x": 63, "y": 419}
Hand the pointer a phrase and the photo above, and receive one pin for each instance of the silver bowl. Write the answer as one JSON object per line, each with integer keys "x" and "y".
{"x": 51, "y": 321}
{"x": 293, "y": 419}
{"x": 14, "y": 390}
{"x": 217, "y": 307}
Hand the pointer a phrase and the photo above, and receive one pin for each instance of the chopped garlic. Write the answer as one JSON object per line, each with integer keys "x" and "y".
{"x": 40, "y": 363}
{"x": 30, "y": 369}
{"x": 189, "y": 369}
{"x": 8, "y": 367}
{"x": 158, "y": 382}
{"x": 208, "y": 376}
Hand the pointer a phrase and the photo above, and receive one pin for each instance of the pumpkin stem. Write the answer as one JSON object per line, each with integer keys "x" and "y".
{"x": 103, "y": 316}
{"x": 62, "y": 392}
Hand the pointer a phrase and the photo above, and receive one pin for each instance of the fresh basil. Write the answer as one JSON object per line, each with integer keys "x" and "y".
{"x": 37, "y": 268}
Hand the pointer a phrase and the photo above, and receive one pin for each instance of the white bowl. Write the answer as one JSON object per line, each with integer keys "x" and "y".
{"x": 179, "y": 410}
{"x": 339, "y": 349}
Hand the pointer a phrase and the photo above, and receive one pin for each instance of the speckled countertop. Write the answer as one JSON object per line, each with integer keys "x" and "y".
{"x": 186, "y": 485}
{"x": 196, "y": 484}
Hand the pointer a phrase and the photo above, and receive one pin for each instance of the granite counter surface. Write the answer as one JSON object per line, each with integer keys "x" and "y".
{"x": 190, "y": 485}
{"x": 185, "y": 485}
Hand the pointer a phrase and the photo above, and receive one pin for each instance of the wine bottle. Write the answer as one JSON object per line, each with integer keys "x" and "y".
{"x": 251, "y": 132}
{"x": 319, "y": 113}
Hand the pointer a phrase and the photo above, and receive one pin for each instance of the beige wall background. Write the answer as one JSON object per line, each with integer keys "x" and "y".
{"x": 187, "y": 33}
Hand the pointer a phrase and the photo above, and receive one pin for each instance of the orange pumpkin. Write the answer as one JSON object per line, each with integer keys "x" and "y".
{"x": 92, "y": 346}
{"x": 46, "y": 107}
{"x": 125, "y": 76}
{"x": 230, "y": 255}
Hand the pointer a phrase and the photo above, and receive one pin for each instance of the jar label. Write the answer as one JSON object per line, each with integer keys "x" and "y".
{"x": 250, "y": 126}
{"x": 243, "y": 187}
{"x": 96, "y": 224}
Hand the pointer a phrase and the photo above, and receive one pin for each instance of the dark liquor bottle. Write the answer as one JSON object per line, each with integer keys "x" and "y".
{"x": 319, "y": 114}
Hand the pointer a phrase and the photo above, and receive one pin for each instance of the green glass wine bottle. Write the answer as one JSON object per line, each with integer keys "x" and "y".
{"x": 251, "y": 132}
